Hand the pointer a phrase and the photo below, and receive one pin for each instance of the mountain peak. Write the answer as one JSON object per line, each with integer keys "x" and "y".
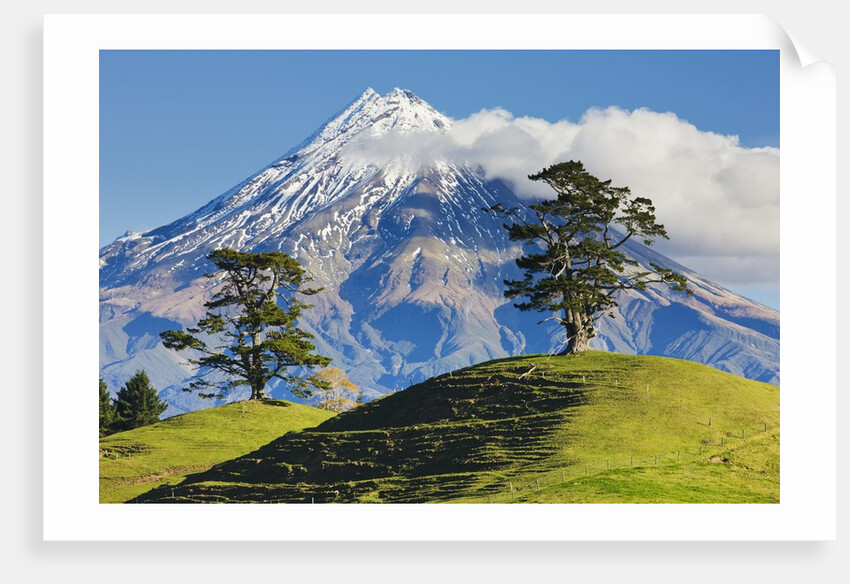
{"x": 372, "y": 115}
{"x": 367, "y": 93}
{"x": 400, "y": 110}
{"x": 398, "y": 93}
{"x": 410, "y": 113}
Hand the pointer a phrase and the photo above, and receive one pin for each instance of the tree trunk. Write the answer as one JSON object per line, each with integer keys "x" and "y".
{"x": 258, "y": 387}
{"x": 258, "y": 391}
{"x": 579, "y": 332}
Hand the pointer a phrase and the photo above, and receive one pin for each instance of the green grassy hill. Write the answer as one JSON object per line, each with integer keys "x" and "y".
{"x": 164, "y": 453}
{"x": 594, "y": 427}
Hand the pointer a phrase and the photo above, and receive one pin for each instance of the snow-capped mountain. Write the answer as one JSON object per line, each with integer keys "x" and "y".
{"x": 411, "y": 266}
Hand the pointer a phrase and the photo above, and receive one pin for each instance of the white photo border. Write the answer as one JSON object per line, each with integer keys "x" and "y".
{"x": 808, "y": 355}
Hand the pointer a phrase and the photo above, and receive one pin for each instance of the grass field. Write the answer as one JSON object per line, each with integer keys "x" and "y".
{"x": 594, "y": 427}
{"x": 746, "y": 472}
{"x": 164, "y": 453}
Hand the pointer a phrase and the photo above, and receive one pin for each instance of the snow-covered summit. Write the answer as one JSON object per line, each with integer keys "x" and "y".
{"x": 400, "y": 110}
{"x": 373, "y": 115}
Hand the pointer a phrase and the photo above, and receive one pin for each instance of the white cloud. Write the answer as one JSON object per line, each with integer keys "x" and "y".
{"x": 718, "y": 200}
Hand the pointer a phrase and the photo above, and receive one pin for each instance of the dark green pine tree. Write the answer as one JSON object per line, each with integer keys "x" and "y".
{"x": 107, "y": 409}
{"x": 574, "y": 262}
{"x": 250, "y": 331}
{"x": 137, "y": 403}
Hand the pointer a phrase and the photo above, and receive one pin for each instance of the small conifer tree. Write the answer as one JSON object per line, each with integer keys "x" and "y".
{"x": 107, "y": 409}
{"x": 137, "y": 403}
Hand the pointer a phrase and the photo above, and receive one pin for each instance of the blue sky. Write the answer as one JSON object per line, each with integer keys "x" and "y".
{"x": 178, "y": 128}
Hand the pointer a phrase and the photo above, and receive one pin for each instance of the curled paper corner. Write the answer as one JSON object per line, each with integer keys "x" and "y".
{"x": 788, "y": 43}
{"x": 804, "y": 55}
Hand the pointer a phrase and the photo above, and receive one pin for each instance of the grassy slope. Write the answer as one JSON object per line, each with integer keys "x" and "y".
{"x": 472, "y": 435}
{"x": 747, "y": 472}
{"x": 164, "y": 453}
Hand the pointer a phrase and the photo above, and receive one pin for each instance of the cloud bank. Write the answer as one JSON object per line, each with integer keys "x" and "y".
{"x": 718, "y": 200}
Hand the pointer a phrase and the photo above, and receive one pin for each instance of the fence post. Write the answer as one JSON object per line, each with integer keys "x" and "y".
{"x": 585, "y": 470}
{"x": 512, "y": 489}
{"x": 709, "y": 421}
{"x": 656, "y": 459}
{"x": 608, "y": 464}
{"x": 723, "y": 440}
{"x": 678, "y": 456}
{"x": 563, "y": 476}
{"x": 538, "y": 484}
{"x": 743, "y": 434}
{"x": 765, "y": 426}
{"x": 700, "y": 449}
{"x": 632, "y": 463}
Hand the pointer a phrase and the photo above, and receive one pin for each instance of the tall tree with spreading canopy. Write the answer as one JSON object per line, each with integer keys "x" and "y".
{"x": 573, "y": 261}
{"x": 252, "y": 338}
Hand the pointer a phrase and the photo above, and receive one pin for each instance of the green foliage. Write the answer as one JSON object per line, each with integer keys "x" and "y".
{"x": 137, "y": 404}
{"x": 107, "y": 409}
{"x": 574, "y": 266}
{"x": 259, "y": 338}
{"x": 466, "y": 436}
{"x": 166, "y": 452}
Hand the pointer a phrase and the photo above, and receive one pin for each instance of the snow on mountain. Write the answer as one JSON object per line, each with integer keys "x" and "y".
{"x": 412, "y": 268}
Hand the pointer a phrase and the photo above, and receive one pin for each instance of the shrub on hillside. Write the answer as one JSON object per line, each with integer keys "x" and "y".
{"x": 137, "y": 404}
